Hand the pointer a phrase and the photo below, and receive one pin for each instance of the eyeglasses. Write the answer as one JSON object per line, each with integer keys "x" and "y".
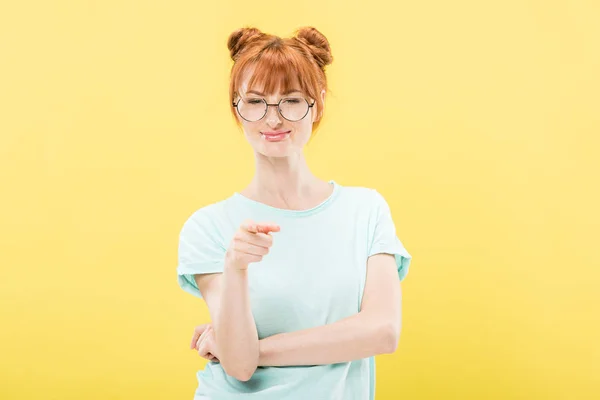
{"x": 291, "y": 108}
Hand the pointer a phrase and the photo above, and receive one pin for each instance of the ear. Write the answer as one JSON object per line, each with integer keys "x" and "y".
{"x": 318, "y": 117}
{"x": 236, "y": 99}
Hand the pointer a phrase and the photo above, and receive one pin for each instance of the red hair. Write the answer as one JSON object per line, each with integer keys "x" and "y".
{"x": 280, "y": 63}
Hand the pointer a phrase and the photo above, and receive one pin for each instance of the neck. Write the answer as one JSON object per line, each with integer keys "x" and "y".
{"x": 284, "y": 181}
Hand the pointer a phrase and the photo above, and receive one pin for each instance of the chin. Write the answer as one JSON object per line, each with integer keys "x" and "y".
{"x": 279, "y": 150}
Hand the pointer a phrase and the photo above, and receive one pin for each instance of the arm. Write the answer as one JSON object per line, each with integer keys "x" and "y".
{"x": 374, "y": 330}
{"x": 228, "y": 300}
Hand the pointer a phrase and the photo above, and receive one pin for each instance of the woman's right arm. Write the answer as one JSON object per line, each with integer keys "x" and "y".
{"x": 228, "y": 300}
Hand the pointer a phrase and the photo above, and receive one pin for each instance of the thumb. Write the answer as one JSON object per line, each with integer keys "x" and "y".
{"x": 249, "y": 226}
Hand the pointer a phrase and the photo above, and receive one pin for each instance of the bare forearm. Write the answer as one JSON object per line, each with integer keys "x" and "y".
{"x": 235, "y": 329}
{"x": 352, "y": 338}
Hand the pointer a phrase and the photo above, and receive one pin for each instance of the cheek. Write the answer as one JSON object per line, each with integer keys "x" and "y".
{"x": 250, "y": 130}
{"x": 303, "y": 132}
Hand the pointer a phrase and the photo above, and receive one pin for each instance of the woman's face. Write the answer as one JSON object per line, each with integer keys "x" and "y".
{"x": 274, "y": 135}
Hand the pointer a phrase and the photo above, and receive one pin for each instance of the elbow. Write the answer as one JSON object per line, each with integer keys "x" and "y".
{"x": 389, "y": 336}
{"x": 239, "y": 370}
{"x": 239, "y": 362}
{"x": 241, "y": 374}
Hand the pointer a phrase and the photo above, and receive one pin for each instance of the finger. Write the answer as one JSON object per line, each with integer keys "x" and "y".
{"x": 203, "y": 349}
{"x": 249, "y": 226}
{"x": 197, "y": 332}
{"x": 251, "y": 249}
{"x": 267, "y": 227}
{"x": 262, "y": 227}
{"x": 202, "y": 337}
{"x": 199, "y": 343}
{"x": 257, "y": 239}
{"x": 250, "y": 259}
{"x": 194, "y": 340}
{"x": 260, "y": 239}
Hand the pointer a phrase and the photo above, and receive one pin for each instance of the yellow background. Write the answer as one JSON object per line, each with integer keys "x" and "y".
{"x": 478, "y": 121}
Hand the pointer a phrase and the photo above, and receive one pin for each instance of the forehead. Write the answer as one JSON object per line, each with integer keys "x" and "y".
{"x": 276, "y": 83}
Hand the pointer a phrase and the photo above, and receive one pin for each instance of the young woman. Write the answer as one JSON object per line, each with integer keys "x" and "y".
{"x": 300, "y": 275}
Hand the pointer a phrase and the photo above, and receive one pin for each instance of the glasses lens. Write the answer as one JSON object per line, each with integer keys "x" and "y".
{"x": 252, "y": 109}
{"x": 293, "y": 108}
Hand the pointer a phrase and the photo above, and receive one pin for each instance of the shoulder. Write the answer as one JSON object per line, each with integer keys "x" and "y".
{"x": 363, "y": 196}
{"x": 206, "y": 218}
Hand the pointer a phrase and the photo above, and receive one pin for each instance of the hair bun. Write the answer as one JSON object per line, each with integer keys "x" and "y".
{"x": 317, "y": 43}
{"x": 240, "y": 38}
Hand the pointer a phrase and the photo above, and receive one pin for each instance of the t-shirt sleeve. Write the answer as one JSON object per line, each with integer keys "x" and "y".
{"x": 200, "y": 251}
{"x": 383, "y": 237}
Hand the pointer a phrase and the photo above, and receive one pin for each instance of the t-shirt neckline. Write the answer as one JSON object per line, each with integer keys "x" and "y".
{"x": 289, "y": 212}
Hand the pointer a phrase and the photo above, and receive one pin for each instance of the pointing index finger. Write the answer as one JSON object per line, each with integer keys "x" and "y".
{"x": 267, "y": 227}
{"x": 261, "y": 227}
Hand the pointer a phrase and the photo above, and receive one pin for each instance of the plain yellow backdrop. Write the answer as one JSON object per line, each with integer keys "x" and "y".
{"x": 478, "y": 121}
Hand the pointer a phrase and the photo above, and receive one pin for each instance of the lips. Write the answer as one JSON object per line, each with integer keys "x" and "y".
{"x": 275, "y": 136}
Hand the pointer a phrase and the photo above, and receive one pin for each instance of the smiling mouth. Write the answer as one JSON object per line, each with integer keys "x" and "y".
{"x": 275, "y": 137}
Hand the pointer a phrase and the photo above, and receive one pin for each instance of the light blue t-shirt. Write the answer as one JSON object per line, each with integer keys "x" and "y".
{"x": 313, "y": 275}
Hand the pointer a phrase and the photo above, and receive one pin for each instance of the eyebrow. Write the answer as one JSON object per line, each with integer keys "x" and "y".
{"x": 284, "y": 94}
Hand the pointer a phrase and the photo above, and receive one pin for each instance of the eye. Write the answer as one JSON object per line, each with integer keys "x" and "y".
{"x": 292, "y": 101}
{"x": 253, "y": 101}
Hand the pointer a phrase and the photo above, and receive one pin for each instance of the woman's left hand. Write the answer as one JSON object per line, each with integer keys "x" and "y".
{"x": 204, "y": 342}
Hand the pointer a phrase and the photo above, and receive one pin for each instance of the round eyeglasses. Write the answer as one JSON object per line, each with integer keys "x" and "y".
{"x": 291, "y": 108}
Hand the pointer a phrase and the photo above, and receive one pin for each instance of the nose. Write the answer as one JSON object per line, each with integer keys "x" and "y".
{"x": 273, "y": 117}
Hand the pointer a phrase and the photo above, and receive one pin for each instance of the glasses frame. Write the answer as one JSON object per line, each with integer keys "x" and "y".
{"x": 278, "y": 104}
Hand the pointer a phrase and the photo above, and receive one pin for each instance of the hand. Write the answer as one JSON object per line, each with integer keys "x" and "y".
{"x": 204, "y": 342}
{"x": 250, "y": 244}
